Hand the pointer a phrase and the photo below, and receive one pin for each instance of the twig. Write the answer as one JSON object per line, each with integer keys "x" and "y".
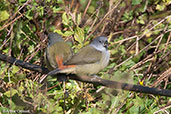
{"x": 85, "y": 11}
{"x": 107, "y": 14}
{"x": 11, "y": 22}
{"x": 90, "y": 79}
{"x": 166, "y": 45}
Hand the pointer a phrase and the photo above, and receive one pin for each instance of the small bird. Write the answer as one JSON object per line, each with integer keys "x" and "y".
{"x": 89, "y": 60}
{"x": 57, "y": 53}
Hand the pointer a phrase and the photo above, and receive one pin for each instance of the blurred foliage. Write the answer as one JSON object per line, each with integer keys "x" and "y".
{"x": 140, "y": 44}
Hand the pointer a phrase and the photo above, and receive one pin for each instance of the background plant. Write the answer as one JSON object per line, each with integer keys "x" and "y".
{"x": 139, "y": 36}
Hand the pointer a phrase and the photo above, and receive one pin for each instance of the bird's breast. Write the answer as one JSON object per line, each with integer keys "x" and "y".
{"x": 105, "y": 59}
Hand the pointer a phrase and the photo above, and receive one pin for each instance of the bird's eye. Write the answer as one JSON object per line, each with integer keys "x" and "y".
{"x": 100, "y": 41}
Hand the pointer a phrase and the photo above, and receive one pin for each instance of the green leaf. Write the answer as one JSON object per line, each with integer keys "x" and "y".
{"x": 41, "y": 10}
{"x": 111, "y": 65}
{"x": 59, "y": 32}
{"x": 79, "y": 35}
{"x": 127, "y": 65}
{"x": 78, "y": 18}
{"x": 136, "y": 2}
{"x": 4, "y": 15}
{"x": 21, "y": 1}
{"x": 4, "y": 110}
{"x": 160, "y": 7}
{"x": 138, "y": 102}
{"x": 29, "y": 14}
{"x": 68, "y": 33}
{"x": 134, "y": 110}
{"x": 10, "y": 92}
{"x": 65, "y": 19}
{"x": 15, "y": 69}
{"x": 91, "y": 9}
{"x": 168, "y": 20}
{"x": 20, "y": 88}
{"x": 56, "y": 9}
{"x": 93, "y": 111}
{"x": 127, "y": 16}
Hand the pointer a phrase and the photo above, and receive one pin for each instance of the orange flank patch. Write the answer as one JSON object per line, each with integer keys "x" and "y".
{"x": 61, "y": 66}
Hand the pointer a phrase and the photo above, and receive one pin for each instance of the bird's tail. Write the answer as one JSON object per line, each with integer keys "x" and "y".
{"x": 70, "y": 70}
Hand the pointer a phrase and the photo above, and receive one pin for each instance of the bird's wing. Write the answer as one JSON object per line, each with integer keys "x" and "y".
{"x": 86, "y": 55}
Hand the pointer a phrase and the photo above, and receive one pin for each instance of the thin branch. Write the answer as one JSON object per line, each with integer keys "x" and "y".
{"x": 85, "y": 11}
{"x": 107, "y": 14}
{"x": 90, "y": 79}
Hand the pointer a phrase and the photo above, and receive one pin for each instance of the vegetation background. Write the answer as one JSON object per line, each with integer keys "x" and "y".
{"x": 139, "y": 33}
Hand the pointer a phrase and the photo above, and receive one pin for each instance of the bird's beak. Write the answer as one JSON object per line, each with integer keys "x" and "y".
{"x": 106, "y": 44}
